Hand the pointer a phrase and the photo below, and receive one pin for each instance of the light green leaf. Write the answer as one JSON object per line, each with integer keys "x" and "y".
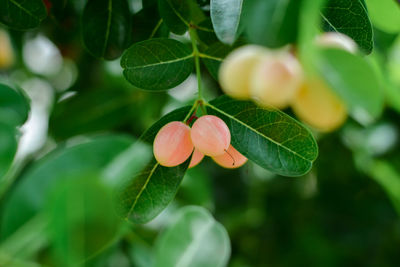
{"x": 354, "y": 80}
{"x": 29, "y": 196}
{"x": 106, "y": 27}
{"x": 145, "y": 194}
{"x": 268, "y": 137}
{"x": 194, "y": 239}
{"x": 157, "y": 64}
{"x": 22, "y": 14}
{"x": 385, "y": 15}
{"x": 351, "y": 18}
{"x": 225, "y": 16}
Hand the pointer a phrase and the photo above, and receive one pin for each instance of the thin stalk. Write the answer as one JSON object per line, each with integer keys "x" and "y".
{"x": 192, "y": 33}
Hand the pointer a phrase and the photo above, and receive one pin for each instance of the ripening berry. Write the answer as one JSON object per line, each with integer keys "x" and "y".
{"x": 317, "y": 105}
{"x": 275, "y": 79}
{"x": 235, "y": 71}
{"x": 172, "y": 145}
{"x": 6, "y": 51}
{"x": 337, "y": 40}
{"x": 210, "y": 135}
{"x": 230, "y": 159}
{"x": 197, "y": 157}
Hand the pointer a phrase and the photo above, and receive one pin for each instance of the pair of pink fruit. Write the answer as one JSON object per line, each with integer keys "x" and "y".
{"x": 209, "y": 136}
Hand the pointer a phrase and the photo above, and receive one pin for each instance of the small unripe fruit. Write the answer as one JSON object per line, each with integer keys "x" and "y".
{"x": 6, "y": 51}
{"x": 275, "y": 79}
{"x": 230, "y": 159}
{"x": 236, "y": 69}
{"x": 337, "y": 40}
{"x": 173, "y": 145}
{"x": 317, "y": 105}
{"x": 197, "y": 157}
{"x": 210, "y": 135}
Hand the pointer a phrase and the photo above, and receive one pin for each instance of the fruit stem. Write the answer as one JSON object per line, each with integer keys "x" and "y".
{"x": 196, "y": 54}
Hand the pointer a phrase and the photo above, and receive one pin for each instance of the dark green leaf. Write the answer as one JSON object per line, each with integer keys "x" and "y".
{"x": 106, "y": 27}
{"x": 22, "y": 14}
{"x": 64, "y": 163}
{"x": 206, "y": 34}
{"x": 178, "y": 14}
{"x": 147, "y": 24}
{"x": 272, "y": 23}
{"x": 213, "y": 57}
{"x": 194, "y": 239}
{"x": 104, "y": 109}
{"x": 8, "y": 147}
{"x": 268, "y": 137}
{"x": 351, "y": 18}
{"x": 354, "y": 80}
{"x": 14, "y": 106}
{"x": 157, "y": 64}
{"x": 225, "y": 16}
{"x": 146, "y": 194}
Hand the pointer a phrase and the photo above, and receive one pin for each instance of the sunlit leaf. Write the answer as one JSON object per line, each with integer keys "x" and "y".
{"x": 193, "y": 239}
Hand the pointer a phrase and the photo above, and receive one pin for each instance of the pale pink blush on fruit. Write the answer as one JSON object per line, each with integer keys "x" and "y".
{"x": 197, "y": 157}
{"x": 210, "y": 135}
{"x": 173, "y": 145}
{"x": 231, "y": 159}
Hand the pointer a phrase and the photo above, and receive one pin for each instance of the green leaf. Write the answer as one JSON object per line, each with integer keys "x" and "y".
{"x": 142, "y": 197}
{"x": 194, "y": 239}
{"x": 157, "y": 64}
{"x": 272, "y": 23}
{"x": 147, "y": 24}
{"x": 8, "y": 147}
{"x": 351, "y": 18}
{"x": 104, "y": 110}
{"x": 14, "y": 106}
{"x": 106, "y": 27}
{"x": 22, "y": 14}
{"x": 82, "y": 219}
{"x": 354, "y": 80}
{"x": 205, "y": 33}
{"x": 385, "y": 15}
{"x": 225, "y": 16}
{"x": 213, "y": 57}
{"x": 178, "y": 14}
{"x": 29, "y": 196}
{"x": 268, "y": 137}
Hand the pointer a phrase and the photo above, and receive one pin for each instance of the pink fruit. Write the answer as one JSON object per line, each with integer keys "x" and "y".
{"x": 231, "y": 159}
{"x": 197, "y": 157}
{"x": 172, "y": 145}
{"x": 210, "y": 135}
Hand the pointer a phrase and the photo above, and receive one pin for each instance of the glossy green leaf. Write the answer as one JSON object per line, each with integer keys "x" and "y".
{"x": 268, "y": 137}
{"x": 193, "y": 239}
{"x": 144, "y": 195}
{"x": 213, "y": 57}
{"x": 8, "y": 147}
{"x": 14, "y": 106}
{"x": 178, "y": 14}
{"x": 82, "y": 219}
{"x": 225, "y": 16}
{"x": 22, "y": 14}
{"x": 351, "y": 18}
{"x": 354, "y": 80}
{"x": 106, "y": 27}
{"x": 157, "y": 64}
{"x": 385, "y": 15}
{"x": 29, "y": 196}
{"x": 272, "y": 23}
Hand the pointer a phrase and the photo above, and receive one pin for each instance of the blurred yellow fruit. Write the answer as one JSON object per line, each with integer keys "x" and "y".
{"x": 317, "y": 105}
{"x": 275, "y": 79}
{"x": 336, "y": 40}
{"x": 6, "y": 51}
{"x": 237, "y": 68}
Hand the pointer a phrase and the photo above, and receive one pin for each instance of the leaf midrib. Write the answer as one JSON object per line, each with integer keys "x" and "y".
{"x": 24, "y": 9}
{"x": 107, "y": 36}
{"x": 261, "y": 134}
{"x": 160, "y": 63}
